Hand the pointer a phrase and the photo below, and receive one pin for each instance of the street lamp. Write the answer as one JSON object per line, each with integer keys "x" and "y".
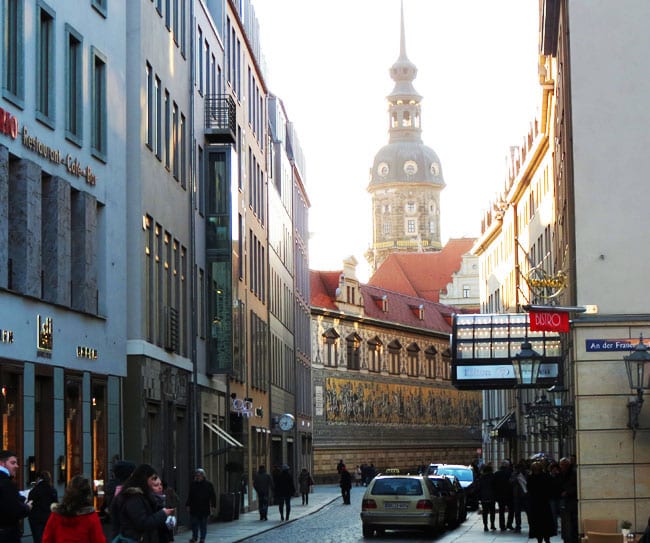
{"x": 636, "y": 363}
{"x": 526, "y": 365}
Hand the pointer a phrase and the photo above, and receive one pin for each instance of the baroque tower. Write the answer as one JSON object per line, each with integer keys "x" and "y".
{"x": 406, "y": 175}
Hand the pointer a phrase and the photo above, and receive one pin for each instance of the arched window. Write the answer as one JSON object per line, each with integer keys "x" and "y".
{"x": 430, "y": 356}
{"x": 375, "y": 347}
{"x": 353, "y": 346}
{"x": 331, "y": 343}
{"x": 412, "y": 358}
{"x": 394, "y": 366}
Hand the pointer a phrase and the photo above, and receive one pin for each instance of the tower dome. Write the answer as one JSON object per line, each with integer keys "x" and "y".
{"x": 406, "y": 176}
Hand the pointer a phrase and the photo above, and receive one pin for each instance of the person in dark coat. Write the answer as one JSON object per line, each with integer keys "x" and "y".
{"x": 284, "y": 491}
{"x": 201, "y": 501}
{"x": 569, "y": 501}
{"x": 135, "y": 507}
{"x": 305, "y": 483}
{"x": 120, "y": 472}
{"x": 42, "y": 496}
{"x": 263, "y": 484}
{"x": 487, "y": 496}
{"x": 540, "y": 517}
{"x": 345, "y": 483}
{"x": 503, "y": 494}
{"x": 13, "y": 507}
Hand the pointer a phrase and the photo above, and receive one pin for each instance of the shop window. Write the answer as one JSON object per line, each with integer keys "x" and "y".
{"x": 99, "y": 440}
{"x": 10, "y": 407}
{"x": 72, "y": 464}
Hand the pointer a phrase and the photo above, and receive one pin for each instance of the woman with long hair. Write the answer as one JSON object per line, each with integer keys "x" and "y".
{"x": 74, "y": 519}
{"x": 139, "y": 518}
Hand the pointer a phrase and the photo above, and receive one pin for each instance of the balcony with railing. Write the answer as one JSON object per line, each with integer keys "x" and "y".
{"x": 220, "y": 118}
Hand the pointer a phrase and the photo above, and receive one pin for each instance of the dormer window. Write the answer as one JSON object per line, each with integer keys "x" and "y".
{"x": 384, "y": 303}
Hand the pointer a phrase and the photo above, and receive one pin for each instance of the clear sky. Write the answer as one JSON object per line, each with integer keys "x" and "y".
{"x": 329, "y": 61}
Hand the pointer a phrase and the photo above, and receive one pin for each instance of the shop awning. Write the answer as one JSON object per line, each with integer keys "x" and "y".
{"x": 223, "y": 434}
{"x": 506, "y": 427}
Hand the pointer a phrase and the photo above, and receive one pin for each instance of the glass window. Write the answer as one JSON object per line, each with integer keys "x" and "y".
{"x": 168, "y": 131}
{"x": 45, "y": 65}
{"x": 150, "y": 106}
{"x": 410, "y": 226}
{"x": 98, "y": 104}
{"x": 13, "y": 83}
{"x": 74, "y": 93}
{"x": 101, "y": 6}
{"x": 157, "y": 118}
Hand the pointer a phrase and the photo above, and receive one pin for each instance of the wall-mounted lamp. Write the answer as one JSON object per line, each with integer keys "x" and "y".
{"x": 526, "y": 365}
{"x": 63, "y": 468}
{"x": 31, "y": 465}
{"x": 636, "y": 364}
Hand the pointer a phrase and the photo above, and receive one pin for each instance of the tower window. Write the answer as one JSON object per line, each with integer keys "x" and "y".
{"x": 386, "y": 228}
{"x": 410, "y": 207}
{"x": 410, "y": 226}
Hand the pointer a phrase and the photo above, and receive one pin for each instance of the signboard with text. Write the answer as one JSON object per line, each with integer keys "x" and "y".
{"x": 549, "y": 321}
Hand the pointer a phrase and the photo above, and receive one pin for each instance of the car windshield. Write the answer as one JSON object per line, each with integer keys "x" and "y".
{"x": 397, "y": 486}
{"x": 463, "y": 474}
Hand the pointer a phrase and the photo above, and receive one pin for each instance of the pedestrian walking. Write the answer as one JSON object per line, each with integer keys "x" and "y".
{"x": 345, "y": 483}
{"x": 13, "y": 506}
{"x": 42, "y": 496}
{"x": 284, "y": 490}
{"x": 357, "y": 476}
{"x": 540, "y": 516}
{"x": 136, "y": 509}
{"x": 75, "y": 520}
{"x": 122, "y": 470}
{"x": 503, "y": 494}
{"x": 305, "y": 483}
{"x": 569, "y": 501}
{"x": 263, "y": 484}
{"x": 487, "y": 496}
{"x": 519, "y": 484}
{"x": 201, "y": 501}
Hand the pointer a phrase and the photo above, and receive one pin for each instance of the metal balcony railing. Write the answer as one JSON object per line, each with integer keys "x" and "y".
{"x": 220, "y": 118}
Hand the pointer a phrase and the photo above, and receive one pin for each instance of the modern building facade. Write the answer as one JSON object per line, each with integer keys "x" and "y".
{"x": 62, "y": 230}
{"x": 576, "y": 240}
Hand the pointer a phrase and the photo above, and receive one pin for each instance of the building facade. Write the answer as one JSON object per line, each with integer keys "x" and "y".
{"x": 594, "y": 134}
{"x": 62, "y": 219}
{"x": 381, "y": 381}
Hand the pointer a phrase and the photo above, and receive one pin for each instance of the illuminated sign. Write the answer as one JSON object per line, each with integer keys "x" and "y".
{"x": 87, "y": 352}
{"x": 6, "y": 336}
{"x": 484, "y": 346}
{"x": 45, "y": 340}
{"x": 549, "y": 321}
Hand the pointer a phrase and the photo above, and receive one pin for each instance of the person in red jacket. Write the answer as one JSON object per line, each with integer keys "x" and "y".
{"x": 74, "y": 520}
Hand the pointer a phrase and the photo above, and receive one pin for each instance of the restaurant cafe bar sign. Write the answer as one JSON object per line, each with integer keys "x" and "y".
{"x": 484, "y": 346}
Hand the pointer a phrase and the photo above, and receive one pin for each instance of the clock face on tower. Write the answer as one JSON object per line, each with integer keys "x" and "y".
{"x": 382, "y": 169}
{"x": 286, "y": 422}
{"x": 410, "y": 167}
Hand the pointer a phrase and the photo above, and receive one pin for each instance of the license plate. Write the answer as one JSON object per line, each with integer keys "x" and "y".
{"x": 396, "y": 505}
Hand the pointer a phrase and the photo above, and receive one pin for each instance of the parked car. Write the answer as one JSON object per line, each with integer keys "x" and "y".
{"x": 462, "y": 496}
{"x": 445, "y": 489}
{"x": 467, "y": 479}
{"x": 402, "y": 502}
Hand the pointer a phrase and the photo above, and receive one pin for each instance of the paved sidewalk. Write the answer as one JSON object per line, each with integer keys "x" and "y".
{"x": 249, "y": 524}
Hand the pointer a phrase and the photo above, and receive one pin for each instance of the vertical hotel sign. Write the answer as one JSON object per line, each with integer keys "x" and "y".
{"x": 44, "y": 336}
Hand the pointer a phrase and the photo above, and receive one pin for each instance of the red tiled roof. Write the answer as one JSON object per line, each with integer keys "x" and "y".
{"x": 422, "y": 275}
{"x": 403, "y": 309}
{"x": 400, "y": 308}
{"x": 323, "y": 285}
